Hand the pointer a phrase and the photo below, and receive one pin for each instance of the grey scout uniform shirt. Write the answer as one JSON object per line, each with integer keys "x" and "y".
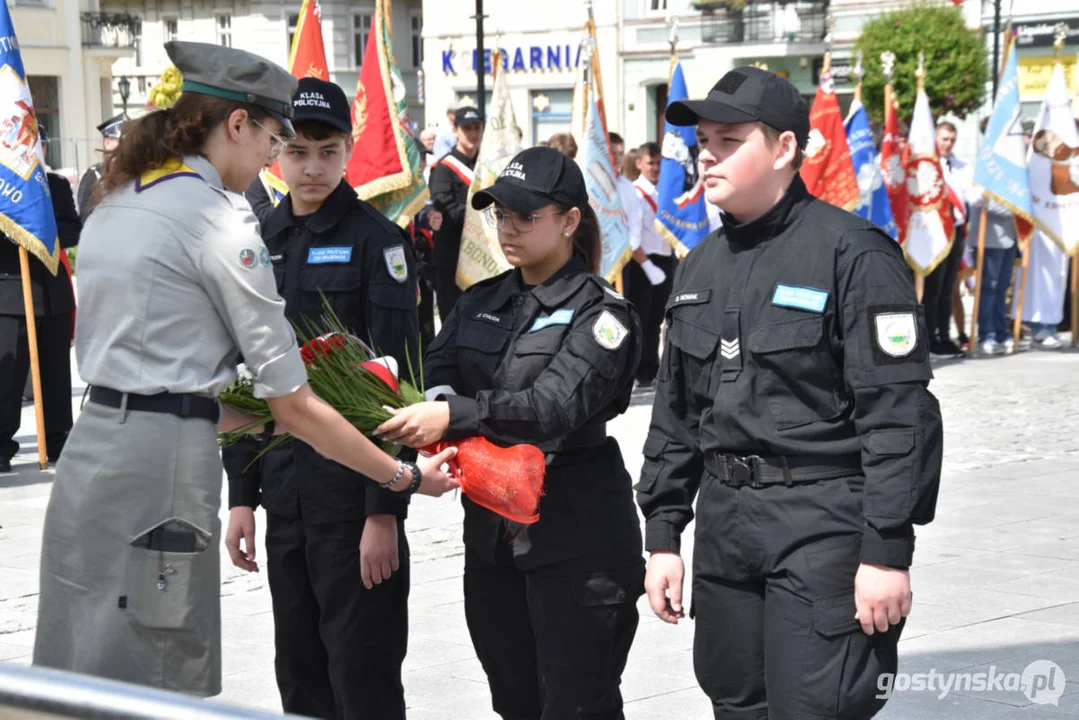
{"x": 181, "y": 283}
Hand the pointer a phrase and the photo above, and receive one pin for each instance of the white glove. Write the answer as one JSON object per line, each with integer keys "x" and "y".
{"x": 655, "y": 275}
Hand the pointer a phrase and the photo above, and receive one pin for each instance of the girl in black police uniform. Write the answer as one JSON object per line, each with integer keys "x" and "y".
{"x": 544, "y": 354}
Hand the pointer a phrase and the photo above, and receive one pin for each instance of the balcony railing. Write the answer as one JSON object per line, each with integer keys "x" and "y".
{"x": 765, "y": 22}
{"x": 110, "y": 30}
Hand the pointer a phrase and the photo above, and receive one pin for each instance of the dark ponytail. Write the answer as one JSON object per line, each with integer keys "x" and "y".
{"x": 587, "y": 241}
{"x": 155, "y": 138}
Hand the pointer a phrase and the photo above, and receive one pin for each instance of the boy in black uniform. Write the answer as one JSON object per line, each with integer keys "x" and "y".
{"x": 338, "y": 559}
{"x": 450, "y": 180}
{"x": 110, "y": 137}
{"x": 793, "y": 395}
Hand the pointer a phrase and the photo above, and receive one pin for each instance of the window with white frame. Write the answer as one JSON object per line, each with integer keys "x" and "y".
{"x": 361, "y": 30}
{"x": 171, "y": 27}
{"x": 293, "y": 21}
{"x": 656, "y": 5}
{"x": 416, "y": 26}
{"x": 224, "y": 29}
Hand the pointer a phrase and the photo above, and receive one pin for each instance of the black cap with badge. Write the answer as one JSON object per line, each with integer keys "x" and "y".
{"x": 748, "y": 94}
{"x": 112, "y": 127}
{"x": 534, "y": 178}
{"x": 323, "y": 101}
{"x": 466, "y": 116}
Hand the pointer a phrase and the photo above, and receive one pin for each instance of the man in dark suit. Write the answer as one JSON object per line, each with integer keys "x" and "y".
{"x": 54, "y": 303}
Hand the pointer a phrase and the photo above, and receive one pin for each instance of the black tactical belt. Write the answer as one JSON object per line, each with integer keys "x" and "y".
{"x": 184, "y": 405}
{"x": 754, "y": 471}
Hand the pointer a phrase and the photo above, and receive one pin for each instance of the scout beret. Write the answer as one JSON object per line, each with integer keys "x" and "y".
{"x": 238, "y": 75}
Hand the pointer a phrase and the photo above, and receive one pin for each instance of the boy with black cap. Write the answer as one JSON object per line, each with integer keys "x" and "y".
{"x": 451, "y": 177}
{"x": 793, "y": 395}
{"x": 110, "y": 137}
{"x": 337, "y": 555}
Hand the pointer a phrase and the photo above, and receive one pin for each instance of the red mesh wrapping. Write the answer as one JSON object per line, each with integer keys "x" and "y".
{"x": 506, "y": 481}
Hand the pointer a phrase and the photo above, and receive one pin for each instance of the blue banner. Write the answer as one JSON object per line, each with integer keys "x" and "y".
{"x": 26, "y": 214}
{"x": 875, "y": 205}
{"x": 602, "y": 184}
{"x": 1001, "y": 166}
{"x": 26, "y": 207}
{"x": 681, "y": 215}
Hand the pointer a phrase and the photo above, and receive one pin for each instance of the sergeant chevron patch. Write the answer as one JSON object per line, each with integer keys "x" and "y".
{"x": 729, "y": 349}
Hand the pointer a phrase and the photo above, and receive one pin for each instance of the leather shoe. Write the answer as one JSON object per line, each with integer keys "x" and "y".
{"x": 5, "y": 465}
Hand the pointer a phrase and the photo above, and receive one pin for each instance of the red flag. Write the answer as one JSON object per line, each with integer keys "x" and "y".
{"x": 893, "y": 171}
{"x": 306, "y": 58}
{"x": 379, "y": 163}
{"x": 828, "y": 171}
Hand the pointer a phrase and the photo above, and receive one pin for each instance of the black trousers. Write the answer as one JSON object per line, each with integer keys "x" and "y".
{"x": 427, "y": 314}
{"x": 773, "y": 601}
{"x": 54, "y": 356}
{"x": 939, "y": 286}
{"x": 650, "y": 301}
{"x": 339, "y": 646}
{"x": 553, "y": 642}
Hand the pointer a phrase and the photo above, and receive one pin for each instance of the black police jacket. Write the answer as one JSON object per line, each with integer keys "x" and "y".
{"x": 449, "y": 185}
{"x": 549, "y": 366}
{"x": 363, "y": 264}
{"x": 797, "y": 335}
{"x": 51, "y": 293}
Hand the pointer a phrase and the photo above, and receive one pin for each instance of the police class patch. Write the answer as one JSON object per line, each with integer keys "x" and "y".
{"x": 325, "y": 255}
{"x": 395, "y": 262}
{"x": 248, "y": 258}
{"x": 558, "y": 317}
{"x": 800, "y": 298}
{"x": 896, "y": 333}
{"x": 608, "y": 331}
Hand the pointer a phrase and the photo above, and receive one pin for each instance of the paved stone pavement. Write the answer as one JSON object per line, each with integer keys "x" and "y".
{"x": 996, "y": 577}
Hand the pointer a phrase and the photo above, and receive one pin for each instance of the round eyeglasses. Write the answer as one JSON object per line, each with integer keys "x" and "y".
{"x": 496, "y": 218}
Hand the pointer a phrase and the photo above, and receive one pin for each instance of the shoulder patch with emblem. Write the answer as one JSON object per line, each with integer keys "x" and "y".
{"x": 609, "y": 331}
{"x": 395, "y": 262}
{"x": 895, "y": 333}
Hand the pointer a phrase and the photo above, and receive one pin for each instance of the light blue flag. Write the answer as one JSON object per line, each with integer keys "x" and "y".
{"x": 875, "y": 205}
{"x": 602, "y": 185}
{"x": 26, "y": 214}
{"x": 681, "y": 214}
{"x": 1001, "y": 166}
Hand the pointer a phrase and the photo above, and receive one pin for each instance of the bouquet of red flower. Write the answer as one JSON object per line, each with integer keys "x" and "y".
{"x": 344, "y": 372}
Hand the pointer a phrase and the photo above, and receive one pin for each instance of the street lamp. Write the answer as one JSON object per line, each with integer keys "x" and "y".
{"x": 125, "y": 91}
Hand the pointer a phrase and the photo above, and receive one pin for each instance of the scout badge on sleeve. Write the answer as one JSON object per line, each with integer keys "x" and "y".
{"x": 896, "y": 333}
{"x": 608, "y": 331}
{"x": 395, "y": 262}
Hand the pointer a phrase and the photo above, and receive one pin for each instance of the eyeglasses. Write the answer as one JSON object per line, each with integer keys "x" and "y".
{"x": 496, "y": 218}
{"x": 278, "y": 141}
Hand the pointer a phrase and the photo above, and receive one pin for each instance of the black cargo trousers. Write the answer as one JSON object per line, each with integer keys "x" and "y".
{"x": 773, "y": 603}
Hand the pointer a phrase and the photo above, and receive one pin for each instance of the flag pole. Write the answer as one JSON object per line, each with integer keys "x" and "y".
{"x": 919, "y": 278}
{"x": 1075, "y": 299}
{"x": 35, "y": 366}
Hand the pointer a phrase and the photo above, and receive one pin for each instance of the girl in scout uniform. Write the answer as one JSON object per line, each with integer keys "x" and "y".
{"x": 174, "y": 284}
{"x": 544, "y": 354}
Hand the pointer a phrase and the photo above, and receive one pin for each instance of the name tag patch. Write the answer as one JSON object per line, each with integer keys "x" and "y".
{"x": 488, "y": 317}
{"x": 558, "y": 317}
{"x": 690, "y": 297}
{"x": 800, "y": 298}
{"x": 325, "y": 255}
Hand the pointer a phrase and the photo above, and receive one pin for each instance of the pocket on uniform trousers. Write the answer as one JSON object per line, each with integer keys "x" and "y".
{"x": 162, "y": 582}
{"x": 608, "y": 587}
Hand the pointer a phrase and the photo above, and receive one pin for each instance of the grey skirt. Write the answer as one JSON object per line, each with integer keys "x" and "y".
{"x": 130, "y": 565}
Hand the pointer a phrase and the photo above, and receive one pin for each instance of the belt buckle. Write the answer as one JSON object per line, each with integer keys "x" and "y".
{"x": 744, "y": 471}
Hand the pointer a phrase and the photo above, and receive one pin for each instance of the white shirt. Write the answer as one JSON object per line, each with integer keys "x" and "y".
{"x": 651, "y": 241}
{"x": 632, "y": 210}
{"x": 959, "y": 176}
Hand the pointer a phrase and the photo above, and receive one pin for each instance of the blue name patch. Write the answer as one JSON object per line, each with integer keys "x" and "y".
{"x": 558, "y": 317}
{"x": 323, "y": 255}
{"x": 800, "y": 298}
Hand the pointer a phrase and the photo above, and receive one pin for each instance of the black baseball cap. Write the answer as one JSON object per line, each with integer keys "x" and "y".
{"x": 466, "y": 116}
{"x": 323, "y": 101}
{"x": 748, "y": 94}
{"x": 536, "y": 177}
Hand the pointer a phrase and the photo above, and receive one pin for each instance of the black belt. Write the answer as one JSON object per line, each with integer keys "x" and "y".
{"x": 183, "y": 405}
{"x": 756, "y": 472}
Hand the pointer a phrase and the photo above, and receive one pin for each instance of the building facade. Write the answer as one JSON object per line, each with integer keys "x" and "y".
{"x": 540, "y": 45}
{"x": 264, "y": 27}
{"x": 68, "y": 48}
